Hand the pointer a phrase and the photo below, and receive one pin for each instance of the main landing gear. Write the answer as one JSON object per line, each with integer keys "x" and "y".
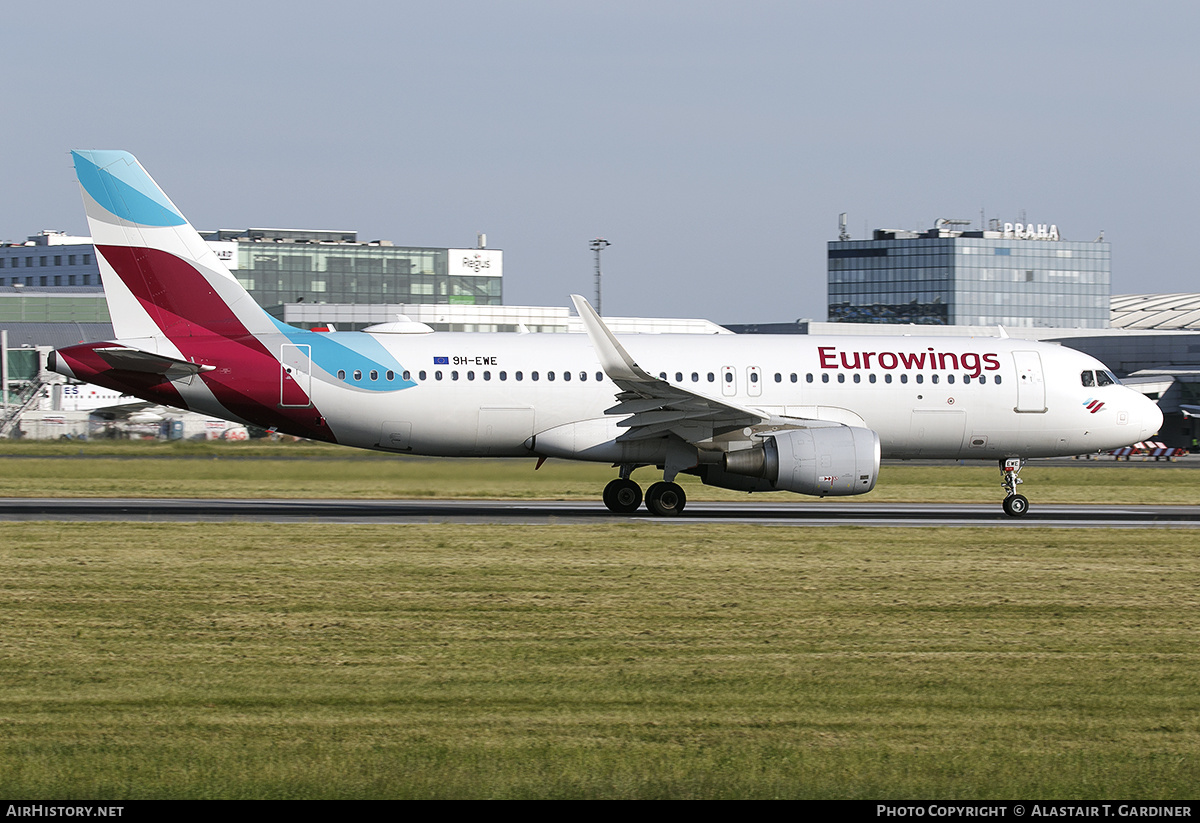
{"x": 1015, "y": 505}
{"x": 623, "y": 496}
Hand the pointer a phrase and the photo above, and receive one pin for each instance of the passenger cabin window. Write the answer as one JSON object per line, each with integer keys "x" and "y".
{"x": 341, "y": 374}
{"x": 358, "y": 374}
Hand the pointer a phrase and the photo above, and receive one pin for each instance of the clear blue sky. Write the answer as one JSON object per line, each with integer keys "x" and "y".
{"x": 713, "y": 144}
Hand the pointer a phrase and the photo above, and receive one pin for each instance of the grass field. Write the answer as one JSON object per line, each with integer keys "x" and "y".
{"x": 615, "y": 661}
{"x": 100, "y": 469}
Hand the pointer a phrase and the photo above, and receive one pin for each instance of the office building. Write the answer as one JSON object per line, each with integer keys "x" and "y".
{"x": 1013, "y": 274}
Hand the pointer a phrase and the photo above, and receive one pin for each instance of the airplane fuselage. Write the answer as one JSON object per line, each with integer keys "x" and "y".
{"x": 510, "y": 395}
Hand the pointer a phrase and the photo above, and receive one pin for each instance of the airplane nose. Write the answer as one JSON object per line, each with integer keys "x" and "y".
{"x": 1149, "y": 417}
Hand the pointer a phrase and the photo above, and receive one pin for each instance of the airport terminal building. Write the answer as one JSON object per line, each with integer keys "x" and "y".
{"x": 1013, "y": 274}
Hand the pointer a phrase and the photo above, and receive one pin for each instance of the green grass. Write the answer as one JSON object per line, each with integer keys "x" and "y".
{"x": 261, "y": 469}
{"x": 625, "y": 660}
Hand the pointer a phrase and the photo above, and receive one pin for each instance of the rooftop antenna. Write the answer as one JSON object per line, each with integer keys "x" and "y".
{"x": 843, "y": 235}
{"x": 598, "y": 246}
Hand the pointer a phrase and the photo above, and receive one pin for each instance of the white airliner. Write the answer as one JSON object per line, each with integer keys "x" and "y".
{"x": 812, "y": 415}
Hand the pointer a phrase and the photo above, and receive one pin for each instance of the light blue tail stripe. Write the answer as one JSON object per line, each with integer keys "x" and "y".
{"x": 116, "y": 181}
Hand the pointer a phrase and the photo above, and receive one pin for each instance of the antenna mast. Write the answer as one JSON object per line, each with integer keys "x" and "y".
{"x": 598, "y": 246}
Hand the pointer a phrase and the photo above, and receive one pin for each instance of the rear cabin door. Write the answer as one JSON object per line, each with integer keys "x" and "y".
{"x": 295, "y": 381}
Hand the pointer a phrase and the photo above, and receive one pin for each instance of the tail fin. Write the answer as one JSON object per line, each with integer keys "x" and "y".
{"x": 160, "y": 278}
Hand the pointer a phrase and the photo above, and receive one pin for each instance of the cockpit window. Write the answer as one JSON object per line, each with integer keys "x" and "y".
{"x": 1087, "y": 378}
{"x": 1105, "y": 378}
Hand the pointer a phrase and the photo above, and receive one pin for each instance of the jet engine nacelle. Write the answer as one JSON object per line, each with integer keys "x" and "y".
{"x": 836, "y": 460}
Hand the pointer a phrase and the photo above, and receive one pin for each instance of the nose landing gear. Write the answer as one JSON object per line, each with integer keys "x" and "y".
{"x": 1015, "y": 505}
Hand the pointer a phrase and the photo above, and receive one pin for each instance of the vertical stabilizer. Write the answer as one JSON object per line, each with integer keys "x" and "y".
{"x": 160, "y": 278}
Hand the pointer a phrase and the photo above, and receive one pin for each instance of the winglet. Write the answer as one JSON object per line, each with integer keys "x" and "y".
{"x": 617, "y": 363}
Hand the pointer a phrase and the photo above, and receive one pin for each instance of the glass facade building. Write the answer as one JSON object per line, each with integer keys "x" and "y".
{"x": 280, "y": 266}
{"x": 943, "y": 277}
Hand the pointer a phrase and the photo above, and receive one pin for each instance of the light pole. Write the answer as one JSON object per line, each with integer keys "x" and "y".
{"x": 598, "y": 246}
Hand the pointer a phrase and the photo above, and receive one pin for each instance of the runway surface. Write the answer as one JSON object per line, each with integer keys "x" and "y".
{"x": 799, "y": 513}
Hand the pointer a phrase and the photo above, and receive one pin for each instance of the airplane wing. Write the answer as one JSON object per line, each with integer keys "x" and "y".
{"x": 655, "y": 407}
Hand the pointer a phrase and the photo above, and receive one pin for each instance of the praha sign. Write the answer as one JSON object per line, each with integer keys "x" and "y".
{"x": 1030, "y": 231}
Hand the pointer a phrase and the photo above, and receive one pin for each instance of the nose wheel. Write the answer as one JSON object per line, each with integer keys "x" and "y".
{"x": 1015, "y": 505}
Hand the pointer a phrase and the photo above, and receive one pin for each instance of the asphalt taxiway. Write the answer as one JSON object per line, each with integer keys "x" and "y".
{"x": 525, "y": 512}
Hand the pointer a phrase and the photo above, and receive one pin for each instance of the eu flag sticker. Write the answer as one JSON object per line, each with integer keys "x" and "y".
{"x": 441, "y": 361}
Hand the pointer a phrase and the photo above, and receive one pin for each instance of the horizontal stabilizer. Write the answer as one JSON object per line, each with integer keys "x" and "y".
{"x": 136, "y": 360}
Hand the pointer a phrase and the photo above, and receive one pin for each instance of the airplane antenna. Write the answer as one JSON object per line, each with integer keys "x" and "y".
{"x": 598, "y": 246}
